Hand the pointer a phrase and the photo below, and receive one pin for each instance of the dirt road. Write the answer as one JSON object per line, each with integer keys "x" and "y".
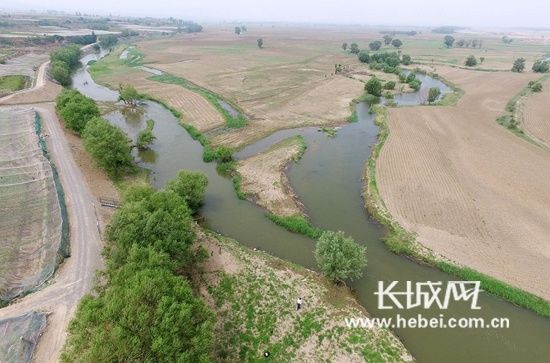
{"x": 75, "y": 275}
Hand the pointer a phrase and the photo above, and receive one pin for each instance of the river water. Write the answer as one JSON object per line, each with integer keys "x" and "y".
{"x": 328, "y": 181}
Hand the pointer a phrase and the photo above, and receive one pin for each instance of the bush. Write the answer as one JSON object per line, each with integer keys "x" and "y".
{"x": 415, "y": 85}
{"x": 471, "y": 61}
{"x": 61, "y": 73}
{"x": 389, "y": 85}
{"x": 374, "y": 87}
{"x": 433, "y": 94}
{"x": 370, "y": 99}
{"x": 375, "y": 45}
{"x": 406, "y": 59}
{"x": 340, "y": 257}
{"x": 364, "y": 57}
{"x": 535, "y": 86}
{"x": 541, "y": 66}
{"x": 410, "y": 77}
{"x": 519, "y": 65}
{"x": 63, "y": 62}
{"x": 191, "y": 186}
{"x": 222, "y": 154}
{"x": 76, "y": 109}
{"x": 146, "y": 137}
{"x": 109, "y": 146}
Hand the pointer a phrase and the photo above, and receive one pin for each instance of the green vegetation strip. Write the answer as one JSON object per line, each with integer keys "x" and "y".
{"x": 13, "y": 83}
{"x": 231, "y": 121}
{"x": 401, "y": 241}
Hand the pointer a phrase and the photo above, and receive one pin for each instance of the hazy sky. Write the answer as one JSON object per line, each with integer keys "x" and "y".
{"x": 504, "y": 13}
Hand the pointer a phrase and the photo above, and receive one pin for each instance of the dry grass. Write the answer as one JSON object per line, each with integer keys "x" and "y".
{"x": 472, "y": 191}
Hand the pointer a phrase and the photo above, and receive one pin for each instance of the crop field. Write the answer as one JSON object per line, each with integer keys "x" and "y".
{"x": 22, "y": 65}
{"x": 30, "y": 223}
{"x": 469, "y": 188}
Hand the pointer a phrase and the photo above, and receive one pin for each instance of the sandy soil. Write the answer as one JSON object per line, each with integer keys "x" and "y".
{"x": 267, "y": 287}
{"x": 469, "y": 188}
{"x": 536, "y": 115}
{"x": 264, "y": 179}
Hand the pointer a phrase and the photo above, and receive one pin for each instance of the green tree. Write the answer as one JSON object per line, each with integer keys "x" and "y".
{"x": 507, "y": 40}
{"x": 448, "y": 40}
{"x": 397, "y": 43}
{"x": 146, "y": 137}
{"x": 238, "y": 30}
{"x": 108, "y": 41}
{"x": 260, "y": 43}
{"x": 406, "y": 59}
{"x": 374, "y": 87}
{"x": 344, "y": 46}
{"x": 481, "y": 60}
{"x": 471, "y": 61}
{"x": 145, "y": 314}
{"x": 410, "y": 77}
{"x": 433, "y": 94}
{"x": 61, "y": 73}
{"x": 354, "y": 48}
{"x": 339, "y": 257}
{"x": 415, "y": 84}
{"x": 76, "y": 109}
{"x": 375, "y": 45}
{"x": 363, "y": 57}
{"x": 389, "y": 85}
{"x": 129, "y": 95}
{"x": 191, "y": 186}
{"x": 109, "y": 146}
{"x": 387, "y": 39}
{"x": 244, "y": 28}
{"x": 519, "y": 65}
{"x": 541, "y": 66}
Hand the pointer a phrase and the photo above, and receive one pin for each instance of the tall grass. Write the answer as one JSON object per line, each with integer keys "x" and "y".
{"x": 297, "y": 224}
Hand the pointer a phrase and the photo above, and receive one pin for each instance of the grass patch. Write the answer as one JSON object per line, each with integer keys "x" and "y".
{"x": 296, "y": 224}
{"x": 231, "y": 121}
{"x": 400, "y": 241}
{"x": 9, "y": 84}
{"x": 353, "y": 117}
{"x": 237, "y": 185}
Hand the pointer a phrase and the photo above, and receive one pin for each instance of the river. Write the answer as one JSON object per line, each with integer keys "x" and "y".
{"x": 328, "y": 181}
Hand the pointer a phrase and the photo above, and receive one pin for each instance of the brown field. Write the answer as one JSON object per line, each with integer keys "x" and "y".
{"x": 195, "y": 109}
{"x": 264, "y": 179}
{"x": 472, "y": 191}
{"x": 536, "y": 115}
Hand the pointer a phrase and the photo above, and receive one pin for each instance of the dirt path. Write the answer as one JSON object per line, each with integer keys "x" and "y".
{"x": 471, "y": 190}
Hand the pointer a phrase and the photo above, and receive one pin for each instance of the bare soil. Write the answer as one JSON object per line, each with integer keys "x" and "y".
{"x": 536, "y": 115}
{"x": 471, "y": 190}
{"x": 264, "y": 179}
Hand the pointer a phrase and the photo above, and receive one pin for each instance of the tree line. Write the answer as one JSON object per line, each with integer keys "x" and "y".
{"x": 144, "y": 307}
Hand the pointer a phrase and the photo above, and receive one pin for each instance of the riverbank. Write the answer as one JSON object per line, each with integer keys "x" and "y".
{"x": 253, "y": 295}
{"x": 507, "y": 261}
{"x": 263, "y": 179}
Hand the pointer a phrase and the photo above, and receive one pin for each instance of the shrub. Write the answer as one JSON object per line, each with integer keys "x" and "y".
{"x": 519, "y": 65}
{"x": 433, "y": 94}
{"x": 415, "y": 84}
{"x": 541, "y": 66}
{"x": 406, "y": 59}
{"x": 535, "y": 86}
{"x": 389, "y": 85}
{"x": 471, "y": 61}
{"x": 109, "y": 146}
{"x": 76, "y": 109}
{"x": 374, "y": 87}
{"x": 146, "y": 137}
{"x": 340, "y": 257}
{"x": 191, "y": 186}
{"x": 364, "y": 57}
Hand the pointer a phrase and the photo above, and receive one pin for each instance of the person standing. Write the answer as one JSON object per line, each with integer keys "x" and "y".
{"x": 299, "y": 303}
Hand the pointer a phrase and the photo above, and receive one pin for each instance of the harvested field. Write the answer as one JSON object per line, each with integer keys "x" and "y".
{"x": 471, "y": 190}
{"x": 196, "y": 110}
{"x": 264, "y": 179}
{"x": 535, "y": 111}
{"x": 31, "y": 223}
{"x": 23, "y": 65}
{"x": 19, "y": 337}
{"x": 253, "y": 295}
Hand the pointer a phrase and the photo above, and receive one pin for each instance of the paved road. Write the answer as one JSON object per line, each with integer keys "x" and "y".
{"x": 75, "y": 276}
